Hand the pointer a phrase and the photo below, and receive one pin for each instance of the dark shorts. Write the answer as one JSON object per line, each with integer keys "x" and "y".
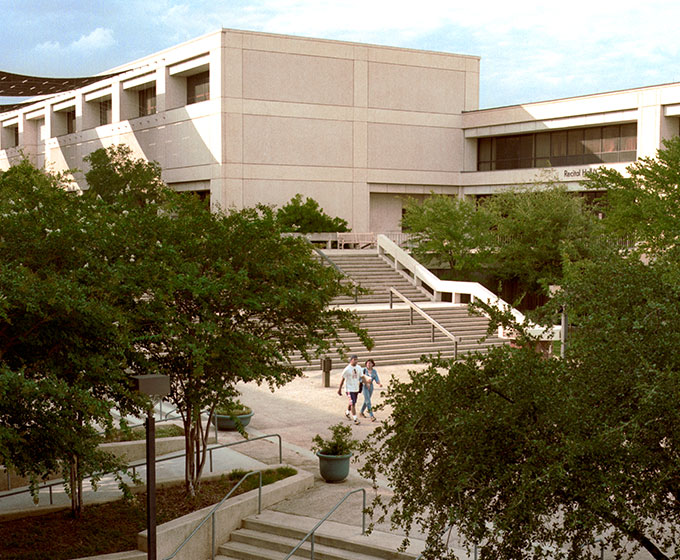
{"x": 353, "y": 396}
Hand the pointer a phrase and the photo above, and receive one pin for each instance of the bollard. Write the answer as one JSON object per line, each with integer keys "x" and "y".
{"x": 326, "y": 365}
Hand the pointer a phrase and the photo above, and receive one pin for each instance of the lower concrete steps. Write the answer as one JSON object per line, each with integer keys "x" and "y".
{"x": 272, "y": 535}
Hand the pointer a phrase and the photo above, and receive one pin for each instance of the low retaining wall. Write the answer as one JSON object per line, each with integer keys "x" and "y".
{"x": 136, "y": 450}
{"x": 227, "y": 519}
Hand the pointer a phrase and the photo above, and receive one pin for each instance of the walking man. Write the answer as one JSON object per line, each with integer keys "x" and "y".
{"x": 351, "y": 376}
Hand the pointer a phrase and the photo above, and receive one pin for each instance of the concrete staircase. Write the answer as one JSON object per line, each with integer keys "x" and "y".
{"x": 272, "y": 535}
{"x": 396, "y": 340}
{"x": 371, "y": 271}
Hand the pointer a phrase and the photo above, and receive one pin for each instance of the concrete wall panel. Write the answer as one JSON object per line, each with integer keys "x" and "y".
{"x": 296, "y": 78}
{"x": 287, "y": 141}
{"x": 412, "y": 148}
{"x": 412, "y": 88}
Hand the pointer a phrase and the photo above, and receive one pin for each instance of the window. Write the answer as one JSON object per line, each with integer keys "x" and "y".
{"x": 105, "y": 112}
{"x": 198, "y": 87}
{"x": 577, "y": 146}
{"x": 147, "y": 101}
{"x": 70, "y": 121}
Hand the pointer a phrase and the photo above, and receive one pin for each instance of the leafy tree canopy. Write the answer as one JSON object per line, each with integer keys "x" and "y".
{"x": 307, "y": 217}
{"x": 62, "y": 336}
{"x": 644, "y": 205}
{"x": 214, "y": 298}
{"x": 534, "y": 457}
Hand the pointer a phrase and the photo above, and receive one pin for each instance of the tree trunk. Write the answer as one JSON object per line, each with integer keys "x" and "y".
{"x": 76, "y": 484}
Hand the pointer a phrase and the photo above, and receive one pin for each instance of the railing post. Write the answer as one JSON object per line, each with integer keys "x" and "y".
{"x": 363, "y": 514}
{"x": 432, "y": 333}
{"x": 411, "y": 310}
{"x": 312, "y": 547}
{"x": 390, "y": 299}
{"x": 455, "y": 350}
{"x": 212, "y": 557}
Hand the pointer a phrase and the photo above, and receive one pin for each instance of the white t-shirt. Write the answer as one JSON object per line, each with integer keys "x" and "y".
{"x": 352, "y": 376}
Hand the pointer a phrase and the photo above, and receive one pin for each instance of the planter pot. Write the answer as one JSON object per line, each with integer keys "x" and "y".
{"x": 227, "y": 423}
{"x": 334, "y": 468}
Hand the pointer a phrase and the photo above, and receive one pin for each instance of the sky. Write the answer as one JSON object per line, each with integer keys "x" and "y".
{"x": 530, "y": 50}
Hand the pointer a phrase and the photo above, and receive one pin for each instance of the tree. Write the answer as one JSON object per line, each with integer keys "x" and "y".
{"x": 449, "y": 230}
{"x": 536, "y": 230}
{"x": 643, "y": 206}
{"x": 521, "y": 234}
{"x": 534, "y": 457}
{"x": 216, "y": 298}
{"x": 62, "y": 337}
{"x": 307, "y": 217}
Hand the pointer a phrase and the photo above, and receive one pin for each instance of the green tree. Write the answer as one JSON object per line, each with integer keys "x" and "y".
{"x": 534, "y": 457}
{"x": 62, "y": 337}
{"x": 536, "y": 230}
{"x": 519, "y": 234}
{"x": 644, "y": 205}
{"x": 307, "y": 217}
{"x": 449, "y": 230}
{"x": 216, "y": 298}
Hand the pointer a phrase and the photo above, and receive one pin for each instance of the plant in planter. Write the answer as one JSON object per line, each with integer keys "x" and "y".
{"x": 230, "y": 416}
{"x": 334, "y": 453}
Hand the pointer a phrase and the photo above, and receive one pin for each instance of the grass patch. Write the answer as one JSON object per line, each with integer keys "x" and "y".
{"x": 139, "y": 432}
{"x": 113, "y": 526}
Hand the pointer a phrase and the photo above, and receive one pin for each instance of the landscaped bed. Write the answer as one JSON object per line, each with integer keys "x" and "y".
{"x": 113, "y": 526}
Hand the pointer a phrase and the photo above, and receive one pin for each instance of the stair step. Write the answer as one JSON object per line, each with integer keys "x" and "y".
{"x": 273, "y": 534}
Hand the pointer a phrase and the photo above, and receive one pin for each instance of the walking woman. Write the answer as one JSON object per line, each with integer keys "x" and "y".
{"x": 369, "y": 377}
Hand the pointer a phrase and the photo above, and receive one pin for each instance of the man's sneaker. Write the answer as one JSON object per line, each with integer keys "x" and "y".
{"x": 356, "y": 421}
{"x": 363, "y": 415}
{"x": 347, "y": 414}
{"x": 373, "y": 419}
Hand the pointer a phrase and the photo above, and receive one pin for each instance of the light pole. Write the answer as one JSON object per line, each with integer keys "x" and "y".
{"x": 152, "y": 386}
{"x": 564, "y": 326}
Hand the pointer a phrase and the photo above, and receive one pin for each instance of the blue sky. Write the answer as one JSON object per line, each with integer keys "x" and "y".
{"x": 531, "y": 51}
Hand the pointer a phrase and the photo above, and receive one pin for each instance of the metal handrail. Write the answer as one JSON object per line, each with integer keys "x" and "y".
{"x": 311, "y": 533}
{"x": 211, "y": 515}
{"x": 134, "y": 466}
{"x": 324, "y": 256}
{"x": 413, "y": 307}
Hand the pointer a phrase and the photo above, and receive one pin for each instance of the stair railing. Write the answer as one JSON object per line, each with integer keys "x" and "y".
{"x": 311, "y": 533}
{"x": 211, "y": 515}
{"x": 324, "y": 256}
{"x": 435, "y": 325}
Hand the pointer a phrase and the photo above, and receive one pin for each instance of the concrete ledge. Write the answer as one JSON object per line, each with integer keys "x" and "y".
{"x": 136, "y": 450}
{"x": 227, "y": 519}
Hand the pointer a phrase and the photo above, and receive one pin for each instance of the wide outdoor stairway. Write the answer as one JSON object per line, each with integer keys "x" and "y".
{"x": 398, "y": 342}
{"x": 370, "y": 271}
{"x": 272, "y": 535}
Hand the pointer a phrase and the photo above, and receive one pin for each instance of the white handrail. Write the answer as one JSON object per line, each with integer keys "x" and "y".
{"x": 422, "y": 276}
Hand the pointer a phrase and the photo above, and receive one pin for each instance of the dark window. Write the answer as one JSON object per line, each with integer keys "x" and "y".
{"x": 198, "y": 87}
{"x": 147, "y": 101}
{"x": 70, "y": 121}
{"x": 577, "y": 146}
{"x": 105, "y": 112}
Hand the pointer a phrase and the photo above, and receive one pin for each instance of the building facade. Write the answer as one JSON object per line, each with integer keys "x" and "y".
{"x": 247, "y": 118}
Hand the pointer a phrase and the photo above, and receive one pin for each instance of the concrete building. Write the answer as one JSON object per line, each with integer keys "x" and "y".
{"x": 250, "y": 117}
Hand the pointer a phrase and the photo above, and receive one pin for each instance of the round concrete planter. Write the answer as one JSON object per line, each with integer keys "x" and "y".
{"x": 229, "y": 424}
{"x": 334, "y": 468}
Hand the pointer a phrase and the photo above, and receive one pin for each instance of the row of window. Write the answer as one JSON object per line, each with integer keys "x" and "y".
{"x": 577, "y": 146}
{"x": 198, "y": 89}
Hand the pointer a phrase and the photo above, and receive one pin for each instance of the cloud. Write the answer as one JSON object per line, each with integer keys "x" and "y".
{"x": 99, "y": 39}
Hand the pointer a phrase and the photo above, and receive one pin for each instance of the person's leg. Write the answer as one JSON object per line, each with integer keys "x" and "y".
{"x": 349, "y": 406}
{"x": 353, "y": 397}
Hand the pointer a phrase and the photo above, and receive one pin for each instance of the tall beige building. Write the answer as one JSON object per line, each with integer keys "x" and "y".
{"x": 250, "y": 117}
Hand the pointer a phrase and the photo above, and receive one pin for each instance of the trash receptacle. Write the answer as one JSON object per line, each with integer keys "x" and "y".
{"x": 326, "y": 366}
